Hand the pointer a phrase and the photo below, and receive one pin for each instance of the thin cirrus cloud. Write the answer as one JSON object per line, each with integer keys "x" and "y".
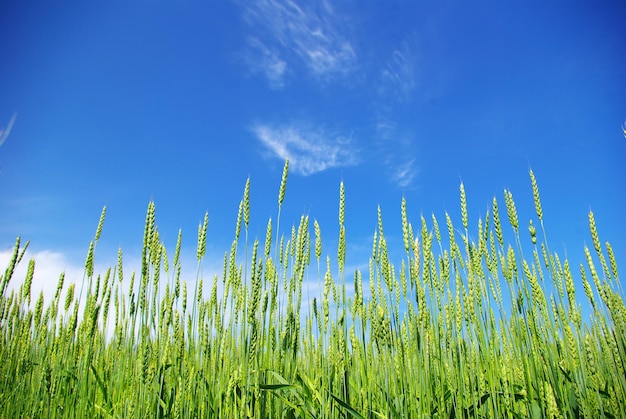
{"x": 4, "y": 133}
{"x": 397, "y": 147}
{"x": 267, "y": 61}
{"x": 288, "y": 34}
{"x": 399, "y": 75}
{"x": 309, "y": 150}
{"x": 290, "y": 38}
{"x": 405, "y": 173}
{"x": 398, "y": 80}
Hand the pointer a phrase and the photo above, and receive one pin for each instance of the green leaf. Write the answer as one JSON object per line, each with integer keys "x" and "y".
{"x": 272, "y": 387}
{"x": 309, "y": 388}
{"x": 100, "y": 384}
{"x": 394, "y": 411}
{"x": 346, "y": 406}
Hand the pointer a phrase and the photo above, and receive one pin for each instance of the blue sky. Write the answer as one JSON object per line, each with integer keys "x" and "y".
{"x": 118, "y": 103}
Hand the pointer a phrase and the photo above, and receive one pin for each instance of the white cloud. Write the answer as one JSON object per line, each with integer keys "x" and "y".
{"x": 50, "y": 264}
{"x": 309, "y": 150}
{"x": 307, "y": 33}
{"x": 48, "y": 267}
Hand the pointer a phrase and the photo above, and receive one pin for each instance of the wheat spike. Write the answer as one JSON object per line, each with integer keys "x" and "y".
{"x": 510, "y": 209}
{"x": 283, "y": 184}
{"x": 246, "y": 203}
{"x": 100, "y": 223}
{"x": 463, "y": 206}
{"x": 536, "y": 199}
{"x": 202, "y": 229}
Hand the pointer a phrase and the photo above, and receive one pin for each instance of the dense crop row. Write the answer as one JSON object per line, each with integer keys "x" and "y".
{"x": 459, "y": 327}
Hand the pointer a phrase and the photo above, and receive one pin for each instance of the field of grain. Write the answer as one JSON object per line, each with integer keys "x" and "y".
{"x": 455, "y": 327}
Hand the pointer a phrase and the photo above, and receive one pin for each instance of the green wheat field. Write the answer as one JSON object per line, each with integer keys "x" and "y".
{"x": 461, "y": 325}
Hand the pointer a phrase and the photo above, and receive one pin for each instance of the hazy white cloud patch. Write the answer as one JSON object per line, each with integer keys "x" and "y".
{"x": 309, "y": 150}
{"x": 48, "y": 267}
{"x": 50, "y": 264}
{"x": 309, "y": 33}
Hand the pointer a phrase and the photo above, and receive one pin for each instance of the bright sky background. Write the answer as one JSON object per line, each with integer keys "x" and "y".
{"x": 118, "y": 103}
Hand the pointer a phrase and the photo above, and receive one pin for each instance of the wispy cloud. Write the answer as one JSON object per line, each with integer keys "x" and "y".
{"x": 4, "y": 133}
{"x": 386, "y": 129}
{"x": 405, "y": 173}
{"x": 309, "y": 150}
{"x": 399, "y": 74}
{"x": 396, "y": 148}
{"x": 306, "y": 33}
{"x": 289, "y": 38}
{"x": 267, "y": 61}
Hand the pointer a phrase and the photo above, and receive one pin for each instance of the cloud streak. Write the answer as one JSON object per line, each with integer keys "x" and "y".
{"x": 307, "y": 34}
{"x": 4, "y": 133}
{"x": 399, "y": 74}
{"x": 404, "y": 174}
{"x": 309, "y": 150}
